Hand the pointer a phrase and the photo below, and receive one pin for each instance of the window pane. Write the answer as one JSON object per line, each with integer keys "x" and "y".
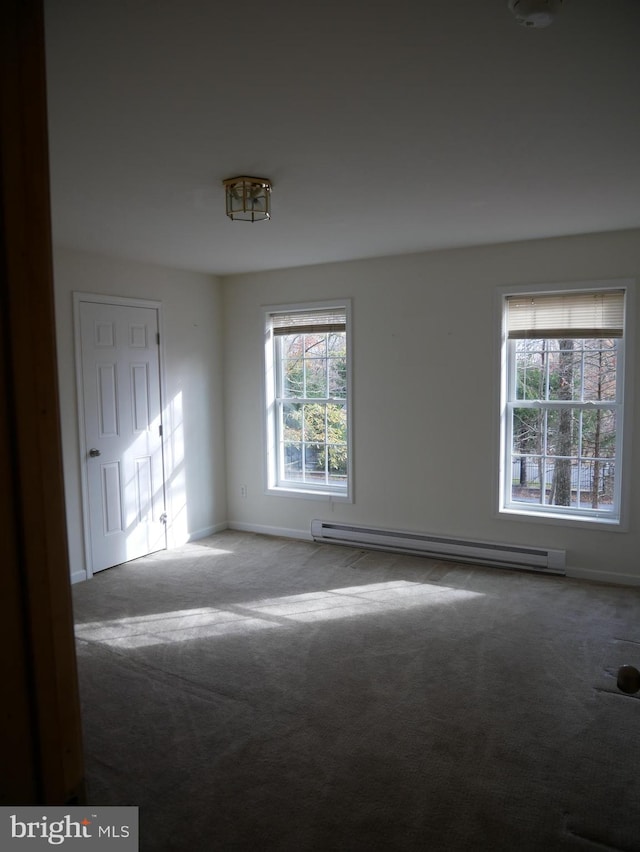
{"x": 527, "y": 474}
{"x": 292, "y": 345}
{"x": 292, "y": 461}
{"x": 337, "y": 463}
{"x": 315, "y": 345}
{"x": 599, "y": 433}
{"x": 292, "y": 378}
{"x": 530, "y": 369}
{"x": 597, "y": 481}
{"x": 527, "y": 430}
{"x": 337, "y": 378}
{"x": 337, "y": 344}
{"x": 562, "y": 432}
{"x": 314, "y": 422}
{"x": 565, "y": 369}
{"x": 314, "y": 462}
{"x": 316, "y": 377}
{"x": 600, "y": 363}
{"x": 337, "y": 424}
{"x": 562, "y": 478}
{"x": 292, "y": 422}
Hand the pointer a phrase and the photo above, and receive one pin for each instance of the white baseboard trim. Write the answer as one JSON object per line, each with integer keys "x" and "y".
{"x": 280, "y": 532}
{"x": 611, "y": 577}
{"x": 78, "y": 577}
{"x": 207, "y": 531}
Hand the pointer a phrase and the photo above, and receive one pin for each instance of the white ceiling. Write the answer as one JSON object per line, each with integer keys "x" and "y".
{"x": 386, "y": 127}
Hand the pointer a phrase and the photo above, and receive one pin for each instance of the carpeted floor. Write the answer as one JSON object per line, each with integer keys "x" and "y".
{"x": 255, "y": 693}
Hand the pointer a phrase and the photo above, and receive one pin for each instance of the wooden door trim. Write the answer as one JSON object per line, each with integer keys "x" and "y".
{"x": 40, "y": 730}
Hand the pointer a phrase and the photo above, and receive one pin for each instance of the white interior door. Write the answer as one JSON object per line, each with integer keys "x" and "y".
{"x": 121, "y": 401}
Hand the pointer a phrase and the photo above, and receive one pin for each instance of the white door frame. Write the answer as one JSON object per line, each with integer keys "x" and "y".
{"x": 96, "y": 298}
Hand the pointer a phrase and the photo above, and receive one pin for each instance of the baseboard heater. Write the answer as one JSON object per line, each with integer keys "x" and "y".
{"x": 440, "y": 547}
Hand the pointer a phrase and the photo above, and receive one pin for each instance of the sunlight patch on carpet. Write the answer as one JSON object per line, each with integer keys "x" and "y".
{"x": 210, "y": 622}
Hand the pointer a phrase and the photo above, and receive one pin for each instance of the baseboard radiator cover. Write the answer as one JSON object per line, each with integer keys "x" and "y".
{"x": 441, "y": 547}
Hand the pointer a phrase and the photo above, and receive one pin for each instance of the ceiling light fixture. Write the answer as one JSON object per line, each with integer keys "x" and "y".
{"x": 248, "y": 199}
{"x": 534, "y": 13}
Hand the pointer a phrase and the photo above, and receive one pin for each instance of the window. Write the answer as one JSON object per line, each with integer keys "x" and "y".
{"x": 307, "y": 393}
{"x": 562, "y": 406}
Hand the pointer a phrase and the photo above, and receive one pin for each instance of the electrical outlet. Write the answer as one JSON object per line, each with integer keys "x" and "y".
{"x": 243, "y": 490}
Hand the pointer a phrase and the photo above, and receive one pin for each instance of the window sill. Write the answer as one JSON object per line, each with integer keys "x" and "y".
{"x": 309, "y": 494}
{"x": 557, "y": 518}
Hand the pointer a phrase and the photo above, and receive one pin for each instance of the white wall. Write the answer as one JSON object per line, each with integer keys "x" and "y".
{"x": 192, "y": 350}
{"x": 424, "y": 412}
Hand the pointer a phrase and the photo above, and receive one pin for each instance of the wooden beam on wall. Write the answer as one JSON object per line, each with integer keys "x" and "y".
{"x": 40, "y": 725}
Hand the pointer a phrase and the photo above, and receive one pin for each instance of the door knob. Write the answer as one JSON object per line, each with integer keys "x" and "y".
{"x": 94, "y": 453}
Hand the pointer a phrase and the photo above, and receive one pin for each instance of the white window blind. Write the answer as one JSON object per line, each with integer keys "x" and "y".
{"x": 566, "y": 315}
{"x": 310, "y": 322}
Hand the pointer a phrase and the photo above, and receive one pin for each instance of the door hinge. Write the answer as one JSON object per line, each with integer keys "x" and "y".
{"x": 160, "y": 430}
{"x": 158, "y": 338}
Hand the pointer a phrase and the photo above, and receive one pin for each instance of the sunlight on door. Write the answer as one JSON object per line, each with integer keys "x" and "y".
{"x": 176, "y": 491}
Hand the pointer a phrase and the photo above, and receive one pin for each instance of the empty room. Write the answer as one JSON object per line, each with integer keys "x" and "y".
{"x": 346, "y": 308}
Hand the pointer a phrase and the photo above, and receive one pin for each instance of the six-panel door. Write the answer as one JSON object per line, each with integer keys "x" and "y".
{"x": 123, "y": 435}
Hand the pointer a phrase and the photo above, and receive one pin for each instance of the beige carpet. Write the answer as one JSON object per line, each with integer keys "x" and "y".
{"x": 255, "y": 693}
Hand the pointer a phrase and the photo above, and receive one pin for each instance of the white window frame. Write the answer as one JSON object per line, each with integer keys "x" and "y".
{"x": 619, "y": 519}
{"x": 306, "y": 490}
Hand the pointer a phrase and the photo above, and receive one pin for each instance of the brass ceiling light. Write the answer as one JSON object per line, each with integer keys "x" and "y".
{"x": 248, "y": 199}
